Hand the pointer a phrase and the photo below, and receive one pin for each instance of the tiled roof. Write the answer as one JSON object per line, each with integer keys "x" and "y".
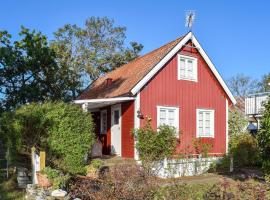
{"x": 127, "y": 76}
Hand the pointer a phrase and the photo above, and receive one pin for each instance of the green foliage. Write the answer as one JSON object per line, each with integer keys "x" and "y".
{"x": 155, "y": 145}
{"x": 237, "y": 122}
{"x": 182, "y": 191}
{"x": 96, "y": 48}
{"x": 29, "y": 71}
{"x": 266, "y": 166}
{"x": 58, "y": 179}
{"x": 97, "y": 163}
{"x": 63, "y": 130}
{"x": 264, "y": 135}
{"x": 264, "y": 83}
{"x": 223, "y": 165}
{"x": 245, "y": 150}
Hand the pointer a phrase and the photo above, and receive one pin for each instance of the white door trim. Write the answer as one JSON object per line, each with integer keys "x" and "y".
{"x": 116, "y": 138}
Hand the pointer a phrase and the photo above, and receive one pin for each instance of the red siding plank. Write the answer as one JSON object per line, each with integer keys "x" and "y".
{"x": 127, "y": 126}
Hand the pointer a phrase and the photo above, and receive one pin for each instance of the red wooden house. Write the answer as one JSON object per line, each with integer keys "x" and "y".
{"x": 176, "y": 84}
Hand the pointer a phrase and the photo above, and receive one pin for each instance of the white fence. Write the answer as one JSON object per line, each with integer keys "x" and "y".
{"x": 185, "y": 167}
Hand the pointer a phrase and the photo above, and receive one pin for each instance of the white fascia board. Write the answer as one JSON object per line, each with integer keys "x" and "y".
{"x": 155, "y": 69}
{"x": 117, "y": 99}
{"x": 189, "y": 36}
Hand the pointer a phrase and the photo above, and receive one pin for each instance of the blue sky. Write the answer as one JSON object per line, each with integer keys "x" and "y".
{"x": 235, "y": 34}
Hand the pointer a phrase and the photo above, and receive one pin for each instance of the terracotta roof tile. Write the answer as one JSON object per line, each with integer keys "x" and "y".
{"x": 127, "y": 76}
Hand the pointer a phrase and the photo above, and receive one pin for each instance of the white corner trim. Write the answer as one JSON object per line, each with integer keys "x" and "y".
{"x": 212, "y": 118}
{"x": 227, "y": 126}
{"x": 103, "y": 100}
{"x": 155, "y": 69}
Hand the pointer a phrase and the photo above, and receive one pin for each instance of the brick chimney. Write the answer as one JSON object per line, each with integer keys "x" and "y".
{"x": 109, "y": 81}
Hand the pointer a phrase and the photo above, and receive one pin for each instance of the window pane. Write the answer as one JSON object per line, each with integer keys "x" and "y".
{"x": 162, "y": 117}
{"x": 207, "y": 123}
{"x": 200, "y": 131}
{"x": 200, "y": 123}
{"x": 200, "y": 115}
{"x": 171, "y": 116}
{"x": 182, "y": 63}
{"x": 207, "y": 130}
{"x": 207, "y": 115}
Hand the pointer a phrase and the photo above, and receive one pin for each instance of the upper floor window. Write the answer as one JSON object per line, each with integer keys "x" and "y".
{"x": 205, "y": 123}
{"x": 187, "y": 68}
{"x": 168, "y": 116}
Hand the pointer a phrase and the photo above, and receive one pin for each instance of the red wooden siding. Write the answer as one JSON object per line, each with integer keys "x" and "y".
{"x": 165, "y": 90}
{"x": 127, "y": 126}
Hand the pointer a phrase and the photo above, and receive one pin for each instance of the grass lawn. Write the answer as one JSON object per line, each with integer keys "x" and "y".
{"x": 9, "y": 190}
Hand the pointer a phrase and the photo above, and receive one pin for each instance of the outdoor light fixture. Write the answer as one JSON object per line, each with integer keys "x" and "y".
{"x": 139, "y": 114}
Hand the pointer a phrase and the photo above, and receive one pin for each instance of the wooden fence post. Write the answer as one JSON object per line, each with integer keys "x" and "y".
{"x": 42, "y": 160}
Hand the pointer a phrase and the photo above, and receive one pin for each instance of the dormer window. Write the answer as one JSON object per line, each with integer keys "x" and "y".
{"x": 187, "y": 68}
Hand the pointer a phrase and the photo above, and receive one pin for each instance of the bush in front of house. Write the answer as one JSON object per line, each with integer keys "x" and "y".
{"x": 154, "y": 146}
{"x": 63, "y": 130}
{"x": 71, "y": 136}
{"x": 264, "y": 138}
{"x": 244, "y": 149}
{"x": 243, "y": 146}
{"x": 59, "y": 179}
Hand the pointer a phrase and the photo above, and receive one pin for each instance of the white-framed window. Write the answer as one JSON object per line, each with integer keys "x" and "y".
{"x": 168, "y": 116}
{"x": 205, "y": 123}
{"x": 103, "y": 122}
{"x": 187, "y": 68}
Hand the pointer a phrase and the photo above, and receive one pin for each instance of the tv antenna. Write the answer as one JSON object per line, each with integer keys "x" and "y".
{"x": 190, "y": 17}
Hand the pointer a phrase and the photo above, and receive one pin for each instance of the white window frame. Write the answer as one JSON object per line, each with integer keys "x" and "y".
{"x": 101, "y": 122}
{"x": 195, "y": 68}
{"x": 212, "y": 123}
{"x": 176, "y": 117}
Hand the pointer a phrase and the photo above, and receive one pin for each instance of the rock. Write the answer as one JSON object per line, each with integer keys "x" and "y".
{"x": 59, "y": 193}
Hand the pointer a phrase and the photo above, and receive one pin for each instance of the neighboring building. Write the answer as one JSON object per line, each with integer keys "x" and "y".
{"x": 254, "y": 108}
{"x": 176, "y": 84}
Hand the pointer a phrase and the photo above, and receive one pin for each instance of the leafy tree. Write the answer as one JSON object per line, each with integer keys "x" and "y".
{"x": 237, "y": 122}
{"x": 242, "y": 85}
{"x": 94, "y": 49}
{"x": 29, "y": 72}
{"x": 264, "y": 84}
{"x": 264, "y": 133}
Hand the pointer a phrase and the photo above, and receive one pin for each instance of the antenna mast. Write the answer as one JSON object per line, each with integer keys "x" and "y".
{"x": 190, "y": 17}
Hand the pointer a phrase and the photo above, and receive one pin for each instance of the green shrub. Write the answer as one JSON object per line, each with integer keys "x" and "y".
{"x": 58, "y": 179}
{"x": 245, "y": 151}
{"x": 97, "y": 163}
{"x": 264, "y": 137}
{"x": 71, "y": 136}
{"x": 154, "y": 145}
{"x": 63, "y": 130}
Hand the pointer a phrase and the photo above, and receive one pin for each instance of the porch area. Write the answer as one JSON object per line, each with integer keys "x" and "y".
{"x": 114, "y": 121}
